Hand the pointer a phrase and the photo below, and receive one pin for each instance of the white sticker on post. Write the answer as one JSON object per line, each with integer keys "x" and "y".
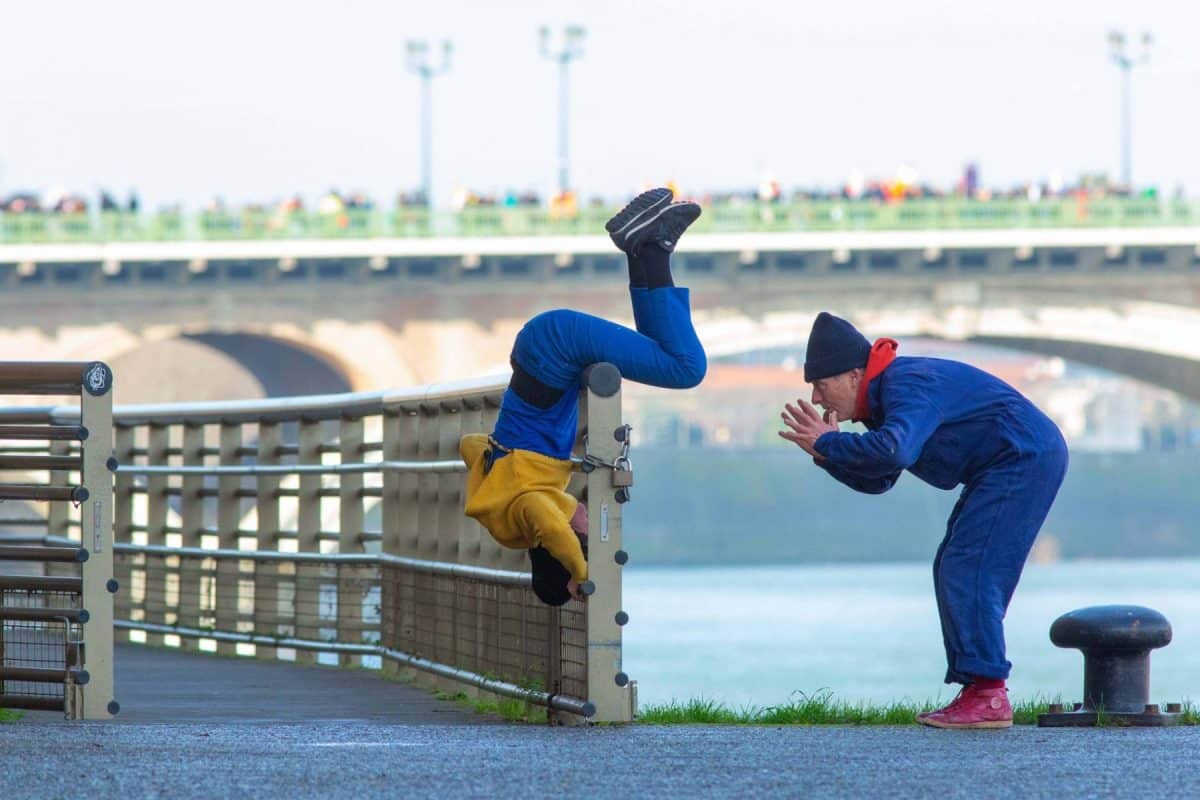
{"x": 97, "y": 531}
{"x": 604, "y": 522}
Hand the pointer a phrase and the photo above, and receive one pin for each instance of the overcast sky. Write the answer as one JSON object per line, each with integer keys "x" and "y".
{"x": 255, "y": 100}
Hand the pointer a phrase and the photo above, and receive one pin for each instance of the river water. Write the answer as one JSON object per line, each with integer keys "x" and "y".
{"x": 756, "y": 635}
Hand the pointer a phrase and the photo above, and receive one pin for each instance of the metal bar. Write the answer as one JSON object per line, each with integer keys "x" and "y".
{"x": 32, "y": 703}
{"x": 300, "y": 469}
{"x": 66, "y": 494}
{"x": 48, "y": 433}
{"x": 560, "y": 702}
{"x": 22, "y": 462}
{"x": 64, "y": 555}
{"x": 327, "y": 406}
{"x": 42, "y": 377}
{"x": 42, "y": 614}
{"x": 41, "y": 675}
{"x": 53, "y": 583}
{"x": 43, "y": 540}
{"x": 22, "y": 522}
{"x": 483, "y": 574}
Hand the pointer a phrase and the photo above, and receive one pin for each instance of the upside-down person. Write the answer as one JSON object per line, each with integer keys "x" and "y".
{"x": 949, "y": 424}
{"x": 517, "y": 477}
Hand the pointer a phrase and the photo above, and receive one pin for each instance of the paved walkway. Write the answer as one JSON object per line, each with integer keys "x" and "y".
{"x": 165, "y": 685}
{"x": 202, "y": 726}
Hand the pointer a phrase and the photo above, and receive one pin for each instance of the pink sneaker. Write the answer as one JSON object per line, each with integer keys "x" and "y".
{"x": 973, "y": 708}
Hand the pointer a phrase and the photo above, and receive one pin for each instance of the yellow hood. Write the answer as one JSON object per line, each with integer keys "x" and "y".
{"x": 522, "y": 501}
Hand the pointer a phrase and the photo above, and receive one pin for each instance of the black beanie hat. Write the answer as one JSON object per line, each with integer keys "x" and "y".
{"x": 549, "y": 577}
{"x": 834, "y": 346}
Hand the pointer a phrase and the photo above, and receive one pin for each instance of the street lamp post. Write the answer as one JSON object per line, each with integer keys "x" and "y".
{"x": 1126, "y": 62}
{"x": 571, "y": 47}
{"x": 421, "y": 65}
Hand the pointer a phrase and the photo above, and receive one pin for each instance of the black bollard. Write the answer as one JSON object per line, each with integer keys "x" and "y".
{"x": 1116, "y": 642}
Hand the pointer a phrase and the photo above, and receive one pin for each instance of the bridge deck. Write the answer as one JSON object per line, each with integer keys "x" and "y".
{"x": 166, "y": 685}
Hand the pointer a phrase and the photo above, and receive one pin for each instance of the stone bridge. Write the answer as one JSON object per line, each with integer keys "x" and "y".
{"x": 212, "y": 320}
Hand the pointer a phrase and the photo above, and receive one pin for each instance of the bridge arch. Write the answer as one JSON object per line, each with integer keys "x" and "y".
{"x": 1151, "y": 342}
{"x": 193, "y": 364}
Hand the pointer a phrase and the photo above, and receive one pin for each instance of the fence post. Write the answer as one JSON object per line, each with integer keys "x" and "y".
{"x": 123, "y": 527}
{"x": 266, "y": 574}
{"x": 350, "y": 527}
{"x": 154, "y": 603}
{"x": 191, "y": 526}
{"x": 308, "y": 529}
{"x": 96, "y": 517}
{"x": 228, "y": 587}
{"x": 607, "y": 684}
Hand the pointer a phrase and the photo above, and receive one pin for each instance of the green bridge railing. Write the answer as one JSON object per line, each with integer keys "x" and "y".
{"x": 258, "y": 223}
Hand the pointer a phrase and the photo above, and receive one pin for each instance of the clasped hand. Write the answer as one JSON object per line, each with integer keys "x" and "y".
{"x": 806, "y": 425}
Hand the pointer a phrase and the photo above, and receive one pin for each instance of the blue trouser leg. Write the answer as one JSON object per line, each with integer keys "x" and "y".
{"x": 949, "y": 639}
{"x": 980, "y": 561}
{"x": 558, "y": 345}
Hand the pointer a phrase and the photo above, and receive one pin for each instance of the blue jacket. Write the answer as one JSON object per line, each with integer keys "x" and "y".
{"x": 944, "y": 421}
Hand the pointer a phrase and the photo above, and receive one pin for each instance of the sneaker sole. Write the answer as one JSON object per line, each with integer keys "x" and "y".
{"x": 630, "y": 233}
{"x": 654, "y": 200}
{"x": 993, "y": 725}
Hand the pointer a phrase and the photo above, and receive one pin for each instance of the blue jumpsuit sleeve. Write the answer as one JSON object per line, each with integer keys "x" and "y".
{"x": 911, "y": 415}
{"x": 859, "y": 483}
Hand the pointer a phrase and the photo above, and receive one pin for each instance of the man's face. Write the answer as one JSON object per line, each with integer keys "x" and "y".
{"x": 579, "y": 521}
{"x": 838, "y": 393}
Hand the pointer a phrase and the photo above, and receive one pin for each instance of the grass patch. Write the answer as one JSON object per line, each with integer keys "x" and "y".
{"x": 8, "y": 715}
{"x": 509, "y": 709}
{"x": 819, "y": 708}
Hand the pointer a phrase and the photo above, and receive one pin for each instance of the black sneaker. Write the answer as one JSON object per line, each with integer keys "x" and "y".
{"x": 663, "y": 227}
{"x": 634, "y": 215}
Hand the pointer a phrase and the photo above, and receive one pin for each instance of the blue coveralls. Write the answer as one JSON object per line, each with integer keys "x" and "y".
{"x": 556, "y": 346}
{"x": 949, "y": 423}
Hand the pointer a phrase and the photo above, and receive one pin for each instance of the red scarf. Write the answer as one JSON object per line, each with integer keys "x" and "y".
{"x": 883, "y": 352}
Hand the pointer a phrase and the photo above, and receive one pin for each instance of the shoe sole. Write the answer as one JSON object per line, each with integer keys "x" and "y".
{"x": 630, "y": 233}
{"x": 992, "y": 725}
{"x": 650, "y": 201}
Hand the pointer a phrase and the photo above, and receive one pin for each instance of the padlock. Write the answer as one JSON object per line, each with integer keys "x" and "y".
{"x": 622, "y": 478}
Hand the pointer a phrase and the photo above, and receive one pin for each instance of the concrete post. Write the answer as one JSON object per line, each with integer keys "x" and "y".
{"x": 96, "y": 528}
{"x": 608, "y": 687}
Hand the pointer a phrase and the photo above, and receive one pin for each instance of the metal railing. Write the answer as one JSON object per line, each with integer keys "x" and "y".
{"x": 56, "y": 616}
{"x": 330, "y": 529}
{"x": 257, "y": 223}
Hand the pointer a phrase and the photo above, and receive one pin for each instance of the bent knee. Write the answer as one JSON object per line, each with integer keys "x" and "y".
{"x": 695, "y": 368}
{"x": 540, "y": 325}
{"x": 689, "y": 372}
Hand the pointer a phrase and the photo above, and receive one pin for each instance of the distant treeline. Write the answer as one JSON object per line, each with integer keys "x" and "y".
{"x": 771, "y": 505}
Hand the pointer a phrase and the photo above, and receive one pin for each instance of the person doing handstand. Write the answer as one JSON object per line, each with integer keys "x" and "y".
{"x": 517, "y": 477}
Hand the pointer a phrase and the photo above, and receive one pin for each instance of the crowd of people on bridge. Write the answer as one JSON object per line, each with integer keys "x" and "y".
{"x": 904, "y": 186}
